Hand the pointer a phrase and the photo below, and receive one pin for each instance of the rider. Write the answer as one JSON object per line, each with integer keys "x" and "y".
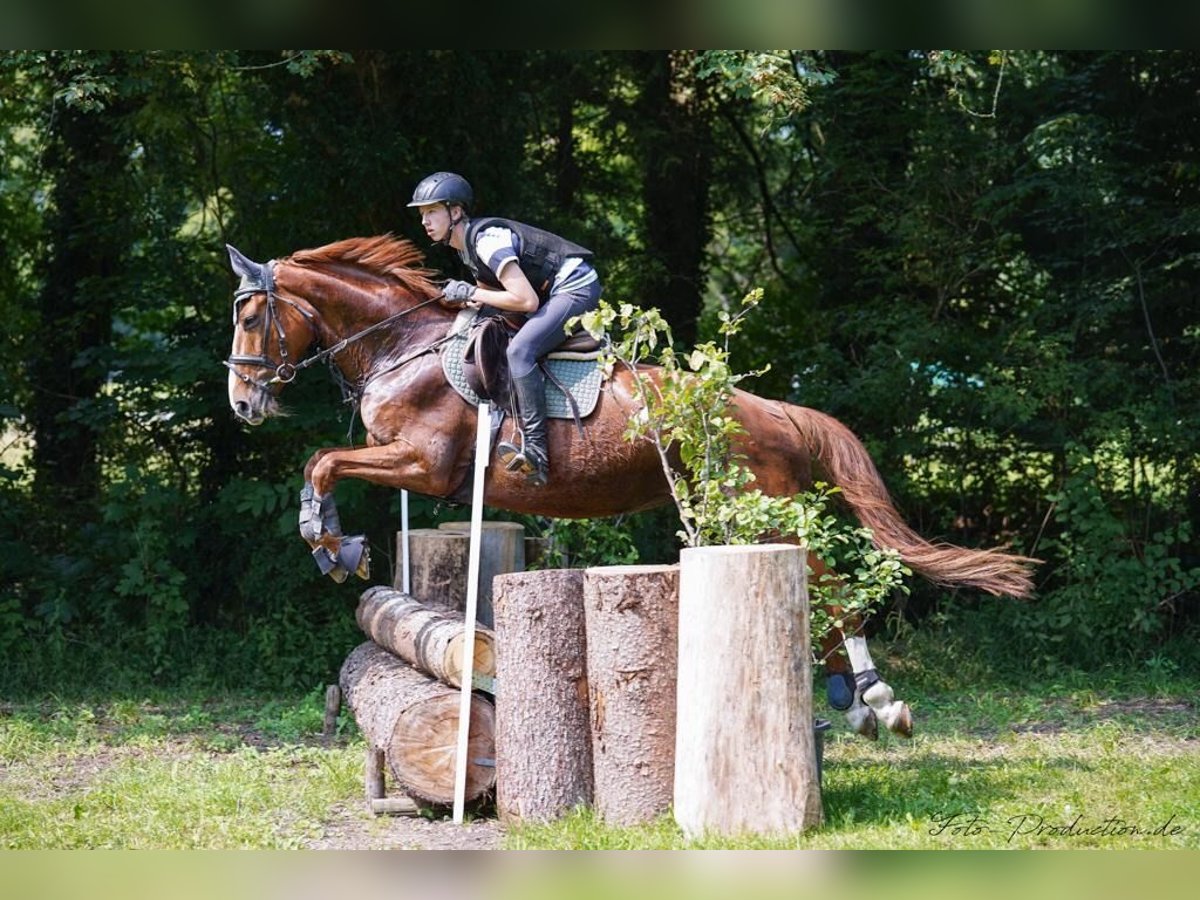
{"x": 551, "y": 281}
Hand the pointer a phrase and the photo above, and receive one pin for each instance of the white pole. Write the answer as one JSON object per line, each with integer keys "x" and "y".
{"x": 482, "y": 451}
{"x": 404, "y": 581}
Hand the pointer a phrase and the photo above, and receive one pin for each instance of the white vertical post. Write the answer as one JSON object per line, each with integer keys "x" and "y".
{"x": 404, "y": 564}
{"x": 482, "y": 451}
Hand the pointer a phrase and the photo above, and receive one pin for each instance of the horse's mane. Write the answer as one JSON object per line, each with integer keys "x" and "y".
{"x": 384, "y": 255}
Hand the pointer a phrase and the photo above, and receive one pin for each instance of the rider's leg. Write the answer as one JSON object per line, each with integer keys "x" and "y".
{"x": 538, "y": 336}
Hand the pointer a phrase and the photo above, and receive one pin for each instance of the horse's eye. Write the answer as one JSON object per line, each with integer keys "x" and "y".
{"x": 250, "y": 321}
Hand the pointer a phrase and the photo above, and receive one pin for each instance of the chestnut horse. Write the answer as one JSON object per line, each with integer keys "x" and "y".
{"x": 366, "y": 306}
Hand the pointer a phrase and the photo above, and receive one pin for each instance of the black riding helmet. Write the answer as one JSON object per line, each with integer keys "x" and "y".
{"x": 443, "y": 187}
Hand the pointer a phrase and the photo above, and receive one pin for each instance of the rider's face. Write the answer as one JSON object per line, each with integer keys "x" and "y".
{"x": 435, "y": 219}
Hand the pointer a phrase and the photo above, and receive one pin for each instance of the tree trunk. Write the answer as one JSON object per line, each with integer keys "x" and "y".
{"x": 744, "y": 749}
{"x": 414, "y": 721}
{"x": 430, "y": 639}
{"x": 438, "y": 561}
{"x": 675, "y": 129}
{"x": 543, "y": 748}
{"x": 632, "y": 617}
{"x": 90, "y": 227}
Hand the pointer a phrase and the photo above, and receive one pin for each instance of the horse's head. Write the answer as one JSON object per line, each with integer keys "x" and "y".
{"x": 269, "y": 333}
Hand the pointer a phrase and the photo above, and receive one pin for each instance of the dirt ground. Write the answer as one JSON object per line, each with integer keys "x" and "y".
{"x": 353, "y": 827}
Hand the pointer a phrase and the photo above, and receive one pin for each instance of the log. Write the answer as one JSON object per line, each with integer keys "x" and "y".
{"x": 632, "y": 615}
{"x": 429, "y": 639}
{"x": 333, "y": 705}
{"x": 501, "y": 550}
{"x": 413, "y": 719}
{"x": 543, "y": 745}
{"x": 438, "y": 560}
{"x": 744, "y": 747}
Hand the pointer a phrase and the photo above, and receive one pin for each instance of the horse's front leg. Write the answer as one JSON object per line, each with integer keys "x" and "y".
{"x": 335, "y": 554}
{"x": 393, "y": 465}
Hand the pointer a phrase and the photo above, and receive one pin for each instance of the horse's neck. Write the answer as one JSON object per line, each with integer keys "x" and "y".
{"x": 353, "y": 318}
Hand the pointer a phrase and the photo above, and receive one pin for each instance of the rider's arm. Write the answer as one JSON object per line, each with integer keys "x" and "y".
{"x": 518, "y": 294}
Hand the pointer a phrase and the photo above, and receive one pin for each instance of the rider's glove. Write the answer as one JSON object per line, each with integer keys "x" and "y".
{"x": 458, "y": 291}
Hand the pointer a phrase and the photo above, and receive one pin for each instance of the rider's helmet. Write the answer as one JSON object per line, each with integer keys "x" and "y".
{"x": 443, "y": 187}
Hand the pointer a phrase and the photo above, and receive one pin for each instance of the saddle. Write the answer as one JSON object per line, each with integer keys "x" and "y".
{"x": 485, "y": 362}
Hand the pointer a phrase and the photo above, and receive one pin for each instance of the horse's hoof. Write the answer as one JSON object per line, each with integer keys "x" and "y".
{"x": 898, "y": 719}
{"x": 862, "y": 720}
{"x": 354, "y": 555}
{"x": 327, "y": 562}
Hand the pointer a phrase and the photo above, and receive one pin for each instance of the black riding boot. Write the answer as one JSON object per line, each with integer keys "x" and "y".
{"x": 532, "y": 458}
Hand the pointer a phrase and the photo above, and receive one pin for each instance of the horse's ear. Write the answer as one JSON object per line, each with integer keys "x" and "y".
{"x": 243, "y": 266}
{"x": 254, "y": 276}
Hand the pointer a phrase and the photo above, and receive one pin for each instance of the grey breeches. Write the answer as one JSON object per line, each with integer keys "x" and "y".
{"x": 543, "y": 331}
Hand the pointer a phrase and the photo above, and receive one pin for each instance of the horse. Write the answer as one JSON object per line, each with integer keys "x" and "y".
{"x": 369, "y": 308}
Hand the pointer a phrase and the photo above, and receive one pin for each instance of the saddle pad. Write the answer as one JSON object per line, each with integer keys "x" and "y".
{"x": 582, "y": 377}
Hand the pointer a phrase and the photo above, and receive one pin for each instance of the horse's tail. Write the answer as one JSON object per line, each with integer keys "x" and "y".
{"x": 845, "y": 463}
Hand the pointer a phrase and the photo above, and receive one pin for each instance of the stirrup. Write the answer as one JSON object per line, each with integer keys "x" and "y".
{"x": 510, "y": 455}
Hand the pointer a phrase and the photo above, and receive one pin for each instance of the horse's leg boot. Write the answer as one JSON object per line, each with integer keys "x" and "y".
{"x": 839, "y": 690}
{"x": 354, "y": 555}
{"x": 327, "y": 562}
{"x": 532, "y": 458}
{"x": 318, "y": 515}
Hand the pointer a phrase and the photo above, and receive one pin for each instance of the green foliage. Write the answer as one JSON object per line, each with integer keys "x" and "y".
{"x": 687, "y": 411}
{"x": 976, "y": 260}
{"x": 1113, "y": 593}
{"x": 579, "y": 543}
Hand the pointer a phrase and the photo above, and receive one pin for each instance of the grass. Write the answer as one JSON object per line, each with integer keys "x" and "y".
{"x": 1065, "y": 768}
{"x": 1086, "y": 760}
{"x": 169, "y": 774}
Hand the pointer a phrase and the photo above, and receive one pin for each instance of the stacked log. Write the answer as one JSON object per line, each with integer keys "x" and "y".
{"x": 412, "y": 719}
{"x": 432, "y": 640}
{"x": 543, "y": 746}
{"x": 439, "y": 560}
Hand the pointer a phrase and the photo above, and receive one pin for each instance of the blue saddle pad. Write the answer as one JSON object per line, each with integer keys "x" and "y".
{"x": 583, "y": 377}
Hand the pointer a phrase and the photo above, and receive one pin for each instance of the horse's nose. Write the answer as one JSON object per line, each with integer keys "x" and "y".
{"x": 242, "y": 409}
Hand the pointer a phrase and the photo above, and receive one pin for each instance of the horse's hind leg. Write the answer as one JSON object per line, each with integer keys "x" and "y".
{"x": 875, "y": 693}
{"x": 842, "y": 693}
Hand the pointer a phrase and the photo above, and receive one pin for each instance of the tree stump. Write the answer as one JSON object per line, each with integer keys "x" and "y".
{"x": 543, "y": 748}
{"x": 501, "y": 550}
{"x": 632, "y": 615}
{"x": 413, "y": 719}
{"x": 744, "y": 746}
{"x": 438, "y": 561}
{"x": 432, "y": 640}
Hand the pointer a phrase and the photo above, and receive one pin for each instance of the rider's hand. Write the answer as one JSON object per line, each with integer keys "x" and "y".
{"x": 458, "y": 292}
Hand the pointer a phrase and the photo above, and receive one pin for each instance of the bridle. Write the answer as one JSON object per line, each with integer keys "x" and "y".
{"x": 285, "y": 371}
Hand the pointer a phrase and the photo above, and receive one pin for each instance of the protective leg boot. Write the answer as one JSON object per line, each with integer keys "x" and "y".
{"x": 532, "y": 457}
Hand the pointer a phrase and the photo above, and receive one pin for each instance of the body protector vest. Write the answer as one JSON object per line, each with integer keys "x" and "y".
{"x": 540, "y": 254}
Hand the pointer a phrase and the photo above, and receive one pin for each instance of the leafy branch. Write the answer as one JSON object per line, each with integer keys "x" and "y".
{"x": 687, "y": 412}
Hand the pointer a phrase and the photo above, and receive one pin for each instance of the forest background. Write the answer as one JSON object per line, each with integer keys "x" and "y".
{"x": 984, "y": 263}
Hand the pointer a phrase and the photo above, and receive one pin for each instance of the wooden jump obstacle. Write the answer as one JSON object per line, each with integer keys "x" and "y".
{"x": 628, "y": 688}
